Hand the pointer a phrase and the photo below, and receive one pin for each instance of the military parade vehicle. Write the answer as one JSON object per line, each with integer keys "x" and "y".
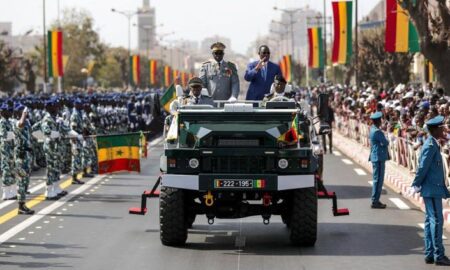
{"x": 240, "y": 160}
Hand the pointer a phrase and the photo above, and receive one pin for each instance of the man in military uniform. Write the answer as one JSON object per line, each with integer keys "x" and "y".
{"x": 220, "y": 77}
{"x": 378, "y": 156}
{"x": 7, "y": 154}
{"x": 430, "y": 182}
{"x": 279, "y": 86}
{"x": 77, "y": 124}
{"x": 89, "y": 158}
{"x": 22, "y": 153}
{"x": 195, "y": 96}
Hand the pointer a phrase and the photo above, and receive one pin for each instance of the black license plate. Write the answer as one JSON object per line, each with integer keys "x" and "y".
{"x": 238, "y": 183}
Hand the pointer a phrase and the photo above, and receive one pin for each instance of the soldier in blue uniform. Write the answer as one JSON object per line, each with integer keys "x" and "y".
{"x": 378, "y": 156}
{"x": 430, "y": 181}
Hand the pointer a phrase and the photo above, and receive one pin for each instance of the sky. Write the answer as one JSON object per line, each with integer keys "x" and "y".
{"x": 240, "y": 20}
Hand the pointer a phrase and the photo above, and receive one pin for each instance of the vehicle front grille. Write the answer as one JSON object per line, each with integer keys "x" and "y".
{"x": 249, "y": 164}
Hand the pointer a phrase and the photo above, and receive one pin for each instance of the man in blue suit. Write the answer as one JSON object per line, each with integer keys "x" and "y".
{"x": 430, "y": 181}
{"x": 378, "y": 156}
{"x": 260, "y": 74}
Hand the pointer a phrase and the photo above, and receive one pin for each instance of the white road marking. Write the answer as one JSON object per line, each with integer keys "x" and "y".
{"x": 399, "y": 203}
{"x": 47, "y": 210}
{"x": 337, "y": 153}
{"x": 347, "y": 161}
{"x": 156, "y": 141}
{"x": 371, "y": 183}
{"x": 422, "y": 225}
{"x": 360, "y": 171}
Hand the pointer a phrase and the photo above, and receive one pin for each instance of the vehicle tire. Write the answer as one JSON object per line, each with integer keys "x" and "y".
{"x": 172, "y": 221}
{"x": 190, "y": 220}
{"x": 303, "y": 221}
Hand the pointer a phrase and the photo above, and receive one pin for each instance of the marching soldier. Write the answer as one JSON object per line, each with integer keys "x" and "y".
{"x": 219, "y": 76}
{"x": 7, "y": 154}
{"x": 89, "y": 149}
{"x": 195, "y": 97}
{"x": 76, "y": 124}
{"x": 23, "y": 158}
{"x": 430, "y": 182}
{"x": 378, "y": 156}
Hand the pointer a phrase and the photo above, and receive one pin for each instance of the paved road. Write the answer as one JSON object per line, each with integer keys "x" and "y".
{"x": 90, "y": 229}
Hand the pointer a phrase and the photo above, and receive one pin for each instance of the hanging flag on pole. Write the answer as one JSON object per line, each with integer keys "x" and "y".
{"x": 288, "y": 67}
{"x": 316, "y": 57}
{"x": 167, "y": 74}
{"x": 282, "y": 65}
{"x": 401, "y": 34}
{"x": 184, "y": 79}
{"x": 55, "y": 54}
{"x": 342, "y": 44}
{"x": 135, "y": 70}
{"x": 153, "y": 69}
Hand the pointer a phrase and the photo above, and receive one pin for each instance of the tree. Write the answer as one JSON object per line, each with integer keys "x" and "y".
{"x": 8, "y": 68}
{"x": 376, "y": 65}
{"x": 432, "y": 21}
{"x": 114, "y": 71}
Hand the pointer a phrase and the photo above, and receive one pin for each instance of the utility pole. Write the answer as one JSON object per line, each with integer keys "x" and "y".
{"x": 325, "y": 40}
{"x": 45, "y": 47}
{"x": 356, "y": 44}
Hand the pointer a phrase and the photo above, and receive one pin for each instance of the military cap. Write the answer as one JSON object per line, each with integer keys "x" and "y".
{"x": 279, "y": 78}
{"x": 5, "y": 107}
{"x": 195, "y": 81}
{"x": 78, "y": 101}
{"x": 51, "y": 101}
{"x": 436, "y": 121}
{"x": 376, "y": 115}
{"x": 18, "y": 107}
{"x": 218, "y": 46}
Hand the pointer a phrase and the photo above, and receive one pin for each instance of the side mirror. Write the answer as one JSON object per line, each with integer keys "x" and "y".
{"x": 324, "y": 129}
{"x": 322, "y": 107}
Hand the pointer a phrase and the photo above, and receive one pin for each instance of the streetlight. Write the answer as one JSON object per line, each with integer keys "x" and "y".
{"x": 291, "y": 13}
{"x": 147, "y": 29}
{"x": 85, "y": 72}
{"x": 128, "y": 15}
{"x": 161, "y": 37}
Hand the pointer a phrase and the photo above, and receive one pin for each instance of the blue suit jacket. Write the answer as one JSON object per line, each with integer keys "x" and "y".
{"x": 430, "y": 173}
{"x": 378, "y": 145}
{"x": 258, "y": 85}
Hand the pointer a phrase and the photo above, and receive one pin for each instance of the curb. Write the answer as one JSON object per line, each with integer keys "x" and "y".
{"x": 397, "y": 178}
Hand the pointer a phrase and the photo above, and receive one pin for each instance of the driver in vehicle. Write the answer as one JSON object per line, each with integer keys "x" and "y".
{"x": 196, "y": 97}
{"x": 279, "y": 92}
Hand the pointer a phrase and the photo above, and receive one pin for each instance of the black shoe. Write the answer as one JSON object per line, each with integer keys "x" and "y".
{"x": 77, "y": 182}
{"x": 62, "y": 193}
{"x": 52, "y": 198}
{"x": 429, "y": 260}
{"x": 378, "y": 205}
{"x": 24, "y": 210}
{"x": 88, "y": 175}
{"x": 443, "y": 261}
{"x": 12, "y": 198}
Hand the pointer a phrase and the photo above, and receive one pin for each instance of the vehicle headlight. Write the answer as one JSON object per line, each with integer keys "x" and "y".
{"x": 193, "y": 163}
{"x": 283, "y": 163}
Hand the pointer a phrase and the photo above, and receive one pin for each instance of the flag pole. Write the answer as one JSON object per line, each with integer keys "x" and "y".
{"x": 356, "y": 44}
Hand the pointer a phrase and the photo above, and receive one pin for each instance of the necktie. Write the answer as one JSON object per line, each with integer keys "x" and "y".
{"x": 196, "y": 100}
{"x": 264, "y": 72}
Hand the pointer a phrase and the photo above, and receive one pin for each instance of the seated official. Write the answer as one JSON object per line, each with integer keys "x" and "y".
{"x": 279, "y": 91}
{"x": 196, "y": 97}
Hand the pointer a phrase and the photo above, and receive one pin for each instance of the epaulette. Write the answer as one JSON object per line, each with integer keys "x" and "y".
{"x": 232, "y": 66}
{"x": 206, "y": 62}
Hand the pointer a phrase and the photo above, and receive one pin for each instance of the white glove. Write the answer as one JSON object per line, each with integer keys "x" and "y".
{"x": 10, "y": 136}
{"x": 72, "y": 133}
{"x": 413, "y": 190}
{"x": 54, "y": 134}
{"x": 80, "y": 137}
{"x": 232, "y": 99}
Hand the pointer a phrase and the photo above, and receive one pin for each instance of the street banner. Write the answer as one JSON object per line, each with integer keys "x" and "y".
{"x": 342, "y": 43}
{"x": 287, "y": 61}
{"x": 167, "y": 74}
{"x": 153, "y": 69}
{"x": 401, "y": 34}
{"x": 316, "y": 57}
{"x": 135, "y": 70}
{"x": 55, "y": 54}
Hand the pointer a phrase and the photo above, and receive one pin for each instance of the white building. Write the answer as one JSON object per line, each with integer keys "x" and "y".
{"x": 146, "y": 27}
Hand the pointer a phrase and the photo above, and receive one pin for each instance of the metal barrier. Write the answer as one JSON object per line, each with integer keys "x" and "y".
{"x": 401, "y": 151}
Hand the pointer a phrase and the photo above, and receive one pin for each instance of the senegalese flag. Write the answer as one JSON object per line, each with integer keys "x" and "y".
{"x": 288, "y": 67}
{"x": 118, "y": 153}
{"x": 168, "y": 97}
{"x": 55, "y": 54}
{"x": 292, "y": 134}
{"x": 167, "y": 74}
{"x": 153, "y": 70}
{"x": 135, "y": 69}
{"x": 429, "y": 72}
{"x": 184, "y": 79}
{"x": 176, "y": 73}
{"x": 342, "y": 44}
{"x": 316, "y": 57}
{"x": 282, "y": 67}
{"x": 401, "y": 35}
